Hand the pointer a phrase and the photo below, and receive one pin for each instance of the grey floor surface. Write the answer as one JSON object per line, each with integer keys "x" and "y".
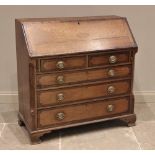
{"x": 105, "y": 135}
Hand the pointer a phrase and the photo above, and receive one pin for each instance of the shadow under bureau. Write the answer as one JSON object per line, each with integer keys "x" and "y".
{"x": 74, "y": 71}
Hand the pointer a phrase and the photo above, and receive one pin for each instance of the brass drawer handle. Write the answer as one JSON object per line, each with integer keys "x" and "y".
{"x": 111, "y": 72}
{"x": 60, "y": 79}
{"x": 111, "y": 89}
{"x": 112, "y": 59}
{"x": 60, "y": 116}
{"x": 60, "y": 97}
{"x": 110, "y": 108}
{"x": 60, "y": 65}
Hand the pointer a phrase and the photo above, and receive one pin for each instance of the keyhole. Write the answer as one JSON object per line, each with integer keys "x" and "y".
{"x": 78, "y": 23}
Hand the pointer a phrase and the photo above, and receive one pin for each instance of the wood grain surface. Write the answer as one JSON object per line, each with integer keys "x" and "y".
{"x": 82, "y": 112}
{"x": 54, "y": 37}
{"x": 84, "y": 45}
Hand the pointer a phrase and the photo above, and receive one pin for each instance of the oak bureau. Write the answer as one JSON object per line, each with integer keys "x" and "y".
{"x": 74, "y": 71}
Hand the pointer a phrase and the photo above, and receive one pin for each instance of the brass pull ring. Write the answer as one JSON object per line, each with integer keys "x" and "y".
{"x": 60, "y": 116}
{"x": 110, "y": 108}
{"x": 111, "y": 89}
{"x": 112, "y": 59}
{"x": 60, "y": 79}
{"x": 60, "y": 64}
{"x": 60, "y": 97}
{"x": 111, "y": 73}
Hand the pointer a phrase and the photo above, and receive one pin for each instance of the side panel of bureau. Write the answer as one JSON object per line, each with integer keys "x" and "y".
{"x": 132, "y": 57}
{"x": 82, "y": 112}
{"x": 26, "y": 85}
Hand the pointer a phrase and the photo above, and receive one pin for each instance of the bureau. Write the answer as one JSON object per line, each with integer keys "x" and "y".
{"x": 74, "y": 71}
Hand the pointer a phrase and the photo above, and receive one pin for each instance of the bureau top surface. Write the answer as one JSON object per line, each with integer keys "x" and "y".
{"x": 56, "y": 36}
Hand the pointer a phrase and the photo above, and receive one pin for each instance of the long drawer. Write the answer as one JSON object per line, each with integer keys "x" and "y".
{"x": 83, "y": 112}
{"x": 63, "y": 78}
{"x": 85, "y": 92}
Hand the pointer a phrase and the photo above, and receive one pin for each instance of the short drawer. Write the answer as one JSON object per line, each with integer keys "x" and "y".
{"x": 108, "y": 59}
{"x": 58, "y": 79}
{"x": 85, "y": 92}
{"x": 83, "y": 112}
{"x": 64, "y": 63}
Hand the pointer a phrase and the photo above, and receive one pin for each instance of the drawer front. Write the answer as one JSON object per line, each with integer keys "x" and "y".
{"x": 64, "y": 95}
{"x": 48, "y": 80}
{"x": 55, "y": 64}
{"x": 83, "y": 112}
{"x": 107, "y": 59}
